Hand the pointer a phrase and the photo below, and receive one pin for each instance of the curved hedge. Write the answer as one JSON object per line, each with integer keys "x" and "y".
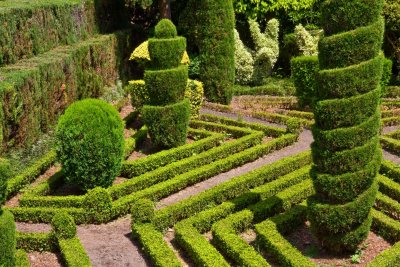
{"x": 167, "y": 115}
{"x": 346, "y": 150}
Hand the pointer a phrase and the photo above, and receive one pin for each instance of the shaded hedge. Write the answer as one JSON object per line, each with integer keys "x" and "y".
{"x": 213, "y": 35}
{"x": 7, "y": 239}
{"x": 346, "y": 151}
{"x": 36, "y": 91}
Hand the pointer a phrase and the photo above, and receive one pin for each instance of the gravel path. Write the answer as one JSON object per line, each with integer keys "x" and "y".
{"x": 302, "y": 145}
{"x": 235, "y": 117}
{"x": 110, "y": 245}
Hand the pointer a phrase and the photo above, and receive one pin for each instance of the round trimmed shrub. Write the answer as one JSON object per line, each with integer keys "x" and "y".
{"x": 63, "y": 225}
{"x": 346, "y": 150}
{"x": 5, "y": 173}
{"x": 90, "y": 143}
{"x": 98, "y": 204}
{"x": 142, "y": 211}
{"x": 7, "y": 240}
{"x": 165, "y": 29}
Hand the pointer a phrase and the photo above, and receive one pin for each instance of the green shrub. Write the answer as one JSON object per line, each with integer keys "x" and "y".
{"x": 63, "y": 225}
{"x": 98, "y": 204}
{"x": 194, "y": 92}
{"x": 387, "y": 74}
{"x": 7, "y": 239}
{"x": 168, "y": 124}
{"x": 166, "y": 53}
{"x": 90, "y": 143}
{"x": 167, "y": 115}
{"x": 304, "y": 71}
{"x": 165, "y": 29}
{"x": 166, "y": 86}
{"x": 142, "y": 211}
{"x": 346, "y": 151}
{"x": 214, "y": 37}
{"x": 5, "y": 174}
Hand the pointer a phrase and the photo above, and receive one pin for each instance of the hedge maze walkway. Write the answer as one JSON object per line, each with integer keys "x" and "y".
{"x": 236, "y": 176}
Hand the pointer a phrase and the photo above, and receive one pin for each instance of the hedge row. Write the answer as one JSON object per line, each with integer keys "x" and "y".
{"x": 390, "y": 144}
{"x": 172, "y": 214}
{"x": 154, "y": 245}
{"x": 163, "y": 158}
{"x": 268, "y": 130}
{"x": 188, "y": 232}
{"x": 385, "y": 226}
{"x": 390, "y": 170}
{"x": 157, "y": 191}
{"x": 389, "y": 187}
{"x": 27, "y": 176}
{"x": 279, "y": 87}
{"x": 62, "y": 238}
{"x": 165, "y": 188}
{"x": 269, "y": 236}
{"x": 388, "y": 206}
{"x": 37, "y": 27}
{"x": 225, "y": 231}
{"x": 281, "y": 119}
{"x": 388, "y": 258}
{"x": 36, "y": 91}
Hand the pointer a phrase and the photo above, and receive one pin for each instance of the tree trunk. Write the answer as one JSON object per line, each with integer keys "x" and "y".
{"x": 165, "y": 9}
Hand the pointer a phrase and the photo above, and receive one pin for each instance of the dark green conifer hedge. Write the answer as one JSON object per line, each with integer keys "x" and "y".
{"x": 346, "y": 150}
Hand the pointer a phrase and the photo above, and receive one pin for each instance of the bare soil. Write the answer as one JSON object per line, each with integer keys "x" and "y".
{"x": 111, "y": 244}
{"x": 33, "y": 227}
{"x": 304, "y": 241}
{"x": 44, "y": 259}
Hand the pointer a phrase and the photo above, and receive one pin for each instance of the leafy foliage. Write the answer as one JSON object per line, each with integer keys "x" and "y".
{"x": 90, "y": 143}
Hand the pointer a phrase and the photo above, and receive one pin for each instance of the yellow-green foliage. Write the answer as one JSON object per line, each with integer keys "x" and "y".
{"x": 194, "y": 93}
{"x": 141, "y": 53}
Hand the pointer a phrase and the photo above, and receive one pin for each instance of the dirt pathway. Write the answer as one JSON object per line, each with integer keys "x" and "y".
{"x": 110, "y": 245}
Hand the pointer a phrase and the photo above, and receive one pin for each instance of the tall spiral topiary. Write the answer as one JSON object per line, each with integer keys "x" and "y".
{"x": 346, "y": 151}
{"x": 7, "y": 224}
{"x": 167, "y": 115}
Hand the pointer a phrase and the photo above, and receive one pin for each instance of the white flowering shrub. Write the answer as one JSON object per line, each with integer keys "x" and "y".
{"x": 307, "y": 43}
{"x": 253, "y": 66}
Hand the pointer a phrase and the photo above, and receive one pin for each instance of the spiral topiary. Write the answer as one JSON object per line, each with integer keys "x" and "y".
{"x": 90, "y": 143}
{"x": 346, "y": 150}
{"x": 167, "y": 115}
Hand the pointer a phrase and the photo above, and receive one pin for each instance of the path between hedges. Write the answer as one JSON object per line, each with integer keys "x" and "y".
{"x": 110, "y": 244}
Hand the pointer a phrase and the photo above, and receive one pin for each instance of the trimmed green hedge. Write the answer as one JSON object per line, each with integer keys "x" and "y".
{"x": 35, "y": 92}
{"x": 388, "y": 258}
{"x": 214, "y": 24}
{"x": 73, "y": 253}
{"x": 168, "y": 124}
{"x": 154, "y": 245}
{"x": 7, "y": 239}
{"x": 269, "y": 236}
{"x": 304, "y": 70}
{"x": 346, "y": 150}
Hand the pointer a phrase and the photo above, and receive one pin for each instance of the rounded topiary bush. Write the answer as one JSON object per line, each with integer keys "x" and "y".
{"x": 7, "y": 240}
{"x": 98, "y": 204}
{"x": 165, "y": 29}
{"x": 142, "y": 211}
{"x": 90, "y": 143}
{"x": 64, "y": 226}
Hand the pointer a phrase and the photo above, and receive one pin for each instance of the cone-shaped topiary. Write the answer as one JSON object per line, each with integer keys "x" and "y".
{"x": 346, "y": 151}
{"x": 90, "y": 143}
{"x": 166, "y": 81}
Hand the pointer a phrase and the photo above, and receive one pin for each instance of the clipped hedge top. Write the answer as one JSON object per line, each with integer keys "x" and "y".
{"x": 165, "y": 29}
